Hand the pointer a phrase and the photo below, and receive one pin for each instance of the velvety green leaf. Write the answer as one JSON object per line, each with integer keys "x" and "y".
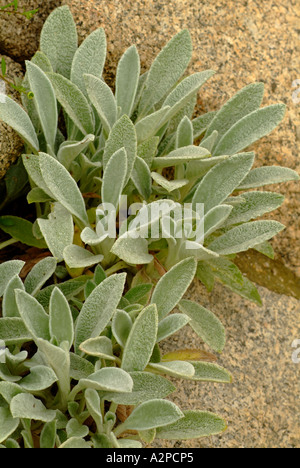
{"x": 167, "y": 68}
{"x": 59, "y": 360}
{"x": 7, "y": 271}
{"x": 147, "y": 436}
{"x": 132, "y": 251}
{"x": 33, "y": 315}
{"x": 93, "y": 405}
{"x": 170, "y": 325}
{"x": 246, "y": 236}
{"x": 59, "y": 40}
{"x": 141, "y": 178}
{"x": 247, "y": 100}
{"x": 114, "y": 178}
{"x": 63, "y": 186}
{"x": 185, "y": 90}
{"x": 266, "y": 249}
{"x": 179, "y": 369}
{"x": 9, "y": 305}
{"x": 75, "y": 443}
{"x": 14, "y": 116}
{"x": 201, "y": 123}
{"x": 146, "y": 386}
{"x": 169, "y": 185}
{"x": 21, "y": 230}
{"x": 13, "y": 331}
{"x": 149, "y": 125}
{"x": 42, "y": 61}
{"x": 99, "y": 308}
{"x": 109, "y": 379}
{"x": 122, "y": 135}
{"x": 78, "y": 257}
{"x": 198, "y": 169}
{"x": 205, "y": 324}
{"x": 121, "y": 326}
{"x": 184, "y": 134}
{"x": 180, "y": 156}
{"x": 209, "y": 142}
{"x": 135, "y": 294}
{"x": 58, "y": 230}
{"x": 152, "y": 414}
{"x": 222, "y": 179}
{"x": 215, "y": 218}
{"x": 8, "y": 424}
{"x": 75, "y": 429}
{"x": 9, "y": 390}
{"x": 103, "y": 100}
{"x": 80, "y": 368}
{"x": 148, "y": 149}
{"x": 69, "y": 150}
{"x": 74, "y": 103}
{"x": 141, "y": 340}
{"x": 40, "y": 378}
{"x": 225, "y": 268}
{"x": 255, "y": 204}
{"x": 99, "y": 275}
{"x": 48, "y": 435}
{"x": 60, "y": 318}
{"x": 70, "y": 288}
{"x": 205, "y": 275}
{"x": 229, "y": 275}
{"x": 210, "y": 372}
{"x": 128, "y": 443}
{"x": 89, "y": 58}
{"x": 268, "y": 175}
{"x": 32, "y": 165}
{"x": 39, "y": 275}
{"x": 44, "y": 101}
{"x": 26, "y": 406}
{"x": 172, "y": 286}
{"x": 194, "y": 425}
{"x": 127, "y": 79}
{"x": 250, "y": 128}
{"x": 101, "y": 347}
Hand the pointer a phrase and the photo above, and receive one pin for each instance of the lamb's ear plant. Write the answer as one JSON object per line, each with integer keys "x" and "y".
{"x": 80, "y": 353}
{"x": 89, "y": 154}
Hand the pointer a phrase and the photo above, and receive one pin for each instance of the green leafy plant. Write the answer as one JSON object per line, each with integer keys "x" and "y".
{"x": 187, "y": 184}
{"x": 81, "y": 353}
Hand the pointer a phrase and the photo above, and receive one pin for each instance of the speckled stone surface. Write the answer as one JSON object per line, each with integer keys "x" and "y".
{"x": 244, "y": 41}
{"x": 10, "y": 143}
{"x": 19, "y": 37}
{"x": 262, "y": 405}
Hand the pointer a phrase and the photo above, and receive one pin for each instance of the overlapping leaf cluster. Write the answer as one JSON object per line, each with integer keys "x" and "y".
{"x": 97, "y": 353}
{"x": 85, "y": 145}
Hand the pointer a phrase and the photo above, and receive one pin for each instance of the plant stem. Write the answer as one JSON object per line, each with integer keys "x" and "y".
{"x": 7, "y": 243}
{"x": 113, "y": 407}
{"x": 115, "y": 268}
{"x": 119, "y": 429}
{"x": 74, "y": 392}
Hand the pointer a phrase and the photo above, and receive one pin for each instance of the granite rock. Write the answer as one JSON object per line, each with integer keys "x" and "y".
{"x": 19, "y": 37}
{"x": 261, "y": 406}
{"x": 244, "y": 41}
{"x": 10, "y": 143}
